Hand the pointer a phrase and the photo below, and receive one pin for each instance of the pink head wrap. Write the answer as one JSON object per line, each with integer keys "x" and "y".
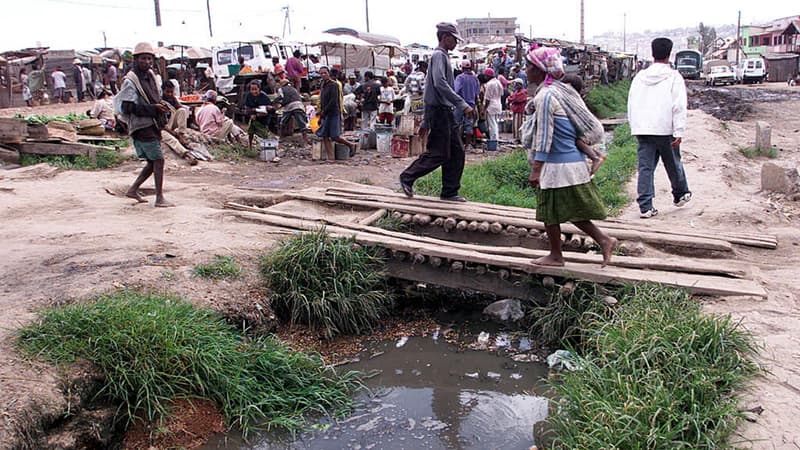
{"x": 489, "y": 72}
{"x": 548, "y": 59}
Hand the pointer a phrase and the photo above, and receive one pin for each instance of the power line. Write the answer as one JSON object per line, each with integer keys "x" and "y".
{"x": 102, "y": 5}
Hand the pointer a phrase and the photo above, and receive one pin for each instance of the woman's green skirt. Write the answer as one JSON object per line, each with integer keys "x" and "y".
{"x": 570, "y": 204}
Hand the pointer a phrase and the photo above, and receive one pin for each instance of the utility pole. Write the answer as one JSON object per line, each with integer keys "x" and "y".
{"x": 158, "y": 13}
{"x": 624, "y": 32}
{"x": 105, "y": 42}
{"x": 208, "y": 10}
{"x": 366, "y": 5}
{"x": 738, "y": 37}
{"x": 158, "y": 20}
{"x": 286, "y": 21}
{"x": 582, "y": 41}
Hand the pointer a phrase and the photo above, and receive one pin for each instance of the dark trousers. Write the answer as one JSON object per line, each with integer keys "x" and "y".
{"x": 444, "y": 148}
{"x": 651, "y": 148}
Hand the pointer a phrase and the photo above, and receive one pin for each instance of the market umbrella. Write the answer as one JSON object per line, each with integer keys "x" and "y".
{"x": 328, "y": 41}
{"x": 389, "y": 48}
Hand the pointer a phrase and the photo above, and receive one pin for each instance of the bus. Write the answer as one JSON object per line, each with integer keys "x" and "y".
{"x": 689, "y": 63}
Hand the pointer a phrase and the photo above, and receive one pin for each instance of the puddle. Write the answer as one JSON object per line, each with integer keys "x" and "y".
{"x": 429, "y": 395}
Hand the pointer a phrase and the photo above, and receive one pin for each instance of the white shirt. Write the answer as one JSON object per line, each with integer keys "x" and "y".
{"x": 493, "y": 94}
{"x": 657, "y": 102}
{"x": 59, "y": 79}
{"x": 387, "y": 94}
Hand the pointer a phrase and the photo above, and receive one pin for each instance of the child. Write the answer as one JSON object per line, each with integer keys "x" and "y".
{"x": 386, "y": 100}
{"x": 516, "y": 103}
{"x": 597, "y": 158}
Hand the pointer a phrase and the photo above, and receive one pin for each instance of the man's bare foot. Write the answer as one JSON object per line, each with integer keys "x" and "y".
{"x": 608, "y": 250}
{"x": 549, "y": 260}
{"x": 164, "y": 204}
{"x": 136, "y": 195}
{"x": 596, "y": 163}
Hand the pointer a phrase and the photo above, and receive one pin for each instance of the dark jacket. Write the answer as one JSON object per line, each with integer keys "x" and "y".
{"x": 329, "y": 99}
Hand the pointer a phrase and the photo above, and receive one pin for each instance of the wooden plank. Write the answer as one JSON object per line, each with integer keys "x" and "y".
{"x": 64, "y": 148}
{"x": 372, "y": 218}
{"x": 693, "y": 243}
{"x": 668, "y": 264}
{"x": 761, "y": 241}
{"x": 13, "y": 131}
{"x": 696, "y": 284}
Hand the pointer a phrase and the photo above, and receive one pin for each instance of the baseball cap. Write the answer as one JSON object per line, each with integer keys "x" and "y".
{"x": 446, "y": 27}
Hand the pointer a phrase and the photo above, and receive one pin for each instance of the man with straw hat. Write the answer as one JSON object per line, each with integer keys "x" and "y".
{"x": 141, "y": 108}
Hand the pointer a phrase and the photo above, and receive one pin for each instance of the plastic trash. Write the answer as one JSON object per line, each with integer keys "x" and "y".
{"x": 483, "y": 339}
{"x": 493, "y": 375}
{"x": 401, "y": 342}
{"x": 563, "y": 359}
{"x": 502, "y": 340}
{"x": 472, "y": 375}
{"x": 515, "y": 376}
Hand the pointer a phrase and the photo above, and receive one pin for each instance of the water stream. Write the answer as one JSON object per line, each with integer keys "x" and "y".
{"x": 429, "y": 395}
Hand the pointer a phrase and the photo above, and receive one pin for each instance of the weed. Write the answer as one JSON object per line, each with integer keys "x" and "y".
{"x": 329, "y": 284}
{"x": 657, "y": 373}
{"x": 753, "y": 152}
{"x": 365, "y": 180}
{"x": 154, "y": 348}
{"x": 608, "y": 101}
{"x": 725, "y": 126}
{"x": 221, "y": 267}
{"x": 104, "y": 159}
{"x": 387, "y": 222}
{"x": 233, "y": 152}
{"x": 504, "y": 180}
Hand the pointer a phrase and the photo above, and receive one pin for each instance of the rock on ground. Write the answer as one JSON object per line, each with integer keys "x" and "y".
{"x": 508, "y": 310}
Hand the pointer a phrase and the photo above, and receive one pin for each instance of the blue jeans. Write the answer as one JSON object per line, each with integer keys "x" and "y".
{"x": 651, "y": 148}
{"x": 463, "y": 122}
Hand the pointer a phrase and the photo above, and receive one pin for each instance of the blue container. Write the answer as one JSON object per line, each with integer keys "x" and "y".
{"x": 491, "y": 145}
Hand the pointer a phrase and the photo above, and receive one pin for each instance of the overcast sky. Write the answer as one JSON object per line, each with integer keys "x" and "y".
{"x": 79, "y": 24}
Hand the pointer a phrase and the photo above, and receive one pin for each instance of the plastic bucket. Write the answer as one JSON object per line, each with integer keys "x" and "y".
{"x": 384, "y": 142}
{"x": 491, "y": 145}
{"x": 268, "y": 149}
{"x": 341, "y": 152}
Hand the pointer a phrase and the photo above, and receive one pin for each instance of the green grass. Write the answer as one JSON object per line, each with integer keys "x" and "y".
{"x": 387, "y": 222}
{"x": 333, "y": 285}
{"x": 233, "y": 152}
{"x": 656, "y": 373}
{"x": 609, "y": 101}
{"x": 753, "y": 152}
{"x": 504, "y": 180}
{"x": 105, "y": 159}
{"x": 153, "y": 348}
{"x": 220, "y": 268}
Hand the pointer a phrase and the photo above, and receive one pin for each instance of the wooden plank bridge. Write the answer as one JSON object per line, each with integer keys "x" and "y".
{"x": 490, "y": 248}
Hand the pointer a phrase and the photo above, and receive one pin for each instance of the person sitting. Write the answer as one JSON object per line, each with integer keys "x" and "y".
{"x": 178, "y": 114}
{"x": 293, "y": 108}
{"x": 260, "y": 111}
{"x": 103, "y": 110}
{"x": 213, "y": 123}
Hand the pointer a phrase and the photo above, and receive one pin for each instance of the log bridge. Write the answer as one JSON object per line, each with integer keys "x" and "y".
{"x": 490, "y": 248}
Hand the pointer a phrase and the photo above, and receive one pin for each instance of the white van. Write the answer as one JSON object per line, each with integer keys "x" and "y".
{"x": 751, "y": 70}
{"x": 257, "y": 54}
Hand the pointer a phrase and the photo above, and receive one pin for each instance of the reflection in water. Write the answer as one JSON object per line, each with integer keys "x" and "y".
{"x": 423, "y": 399}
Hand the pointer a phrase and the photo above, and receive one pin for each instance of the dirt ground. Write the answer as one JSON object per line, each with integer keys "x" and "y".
{"x": 65, "y": 237}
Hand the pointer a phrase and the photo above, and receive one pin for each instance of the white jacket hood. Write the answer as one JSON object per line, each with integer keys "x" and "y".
{"x": 657, "y": 102}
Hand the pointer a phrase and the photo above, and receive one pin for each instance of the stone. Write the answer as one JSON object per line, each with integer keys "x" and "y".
{"x": 763, "y": 135}
{"x": 775, "y": 178}
{"x": 507, "y": 310}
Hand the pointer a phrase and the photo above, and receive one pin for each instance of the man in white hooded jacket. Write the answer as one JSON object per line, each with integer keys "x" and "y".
{"x": 657, "y": 116}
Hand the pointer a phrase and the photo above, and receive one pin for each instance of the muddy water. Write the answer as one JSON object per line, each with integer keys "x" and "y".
{"x": 428, "y": 395}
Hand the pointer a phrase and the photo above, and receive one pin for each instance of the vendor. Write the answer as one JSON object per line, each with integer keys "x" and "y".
{"x": 213, "y": 123}
{"x": 260, "y": 111}
{"x": 103, "y": 109}
{"x": 293, "y": 108}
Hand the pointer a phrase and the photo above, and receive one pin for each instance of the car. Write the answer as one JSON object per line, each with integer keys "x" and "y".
{"x": 751, "y": 70}
{"x": 720, "y": 75}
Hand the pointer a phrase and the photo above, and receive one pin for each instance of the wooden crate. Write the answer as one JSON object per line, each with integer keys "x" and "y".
{"x": 416, "y": 145}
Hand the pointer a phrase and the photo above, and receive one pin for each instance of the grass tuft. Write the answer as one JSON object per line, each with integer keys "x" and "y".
{"x": 330, "y": 284}
{"x": 105, "y": 159}
{"x": 220, "y": 268}
{"x": 154, "y": 348}
{"x": 389, "y": 223}
{"x": 504, "y": 180}
{"x": 609, "y": 101}
{"x": 657, "y": 373}
{"x": 233, "y": 152}
{"x": 753, "y": 152}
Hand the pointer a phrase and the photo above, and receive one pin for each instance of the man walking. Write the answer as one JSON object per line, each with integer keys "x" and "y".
{"x": 59, "y": 84}
{"x": 139, "y": 101}
{"x": 467, "y": 87}
{"x": 657, "y": 115}
{"x": 368, "y": 94}
{"x": 444, "y": 147}
{"x": 77, "y": 78}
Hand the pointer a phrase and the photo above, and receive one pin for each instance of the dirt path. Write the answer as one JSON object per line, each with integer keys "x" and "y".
{"x": 65, "y": 237}
{"x": 726, "y": 197}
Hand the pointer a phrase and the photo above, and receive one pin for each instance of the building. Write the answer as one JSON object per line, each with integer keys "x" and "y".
{"x": 488, "y": 30}
{"x": 777, "y": 42}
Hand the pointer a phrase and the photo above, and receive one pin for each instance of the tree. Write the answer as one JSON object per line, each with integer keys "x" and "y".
{"x": 708, "y": 35}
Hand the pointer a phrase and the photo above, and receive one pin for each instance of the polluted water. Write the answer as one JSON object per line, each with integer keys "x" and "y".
{"x": 428, "y": 394}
